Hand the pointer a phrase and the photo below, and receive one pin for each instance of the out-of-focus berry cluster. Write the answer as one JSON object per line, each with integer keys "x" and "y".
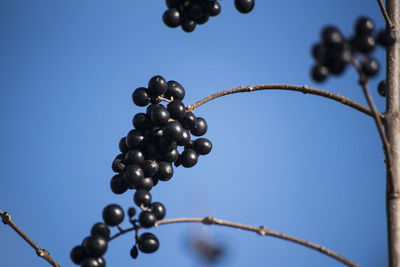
{"x": 335, "y": 52}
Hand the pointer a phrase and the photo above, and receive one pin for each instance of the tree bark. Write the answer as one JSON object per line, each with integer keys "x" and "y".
{"x": 392, "y": 128}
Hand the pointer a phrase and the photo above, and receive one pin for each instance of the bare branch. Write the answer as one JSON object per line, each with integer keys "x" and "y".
{"x": 298, "y": 88}
{"x": 259, "y": 230}
{"x": 376, "y": 115}
{"x": 385, "y": 14}
{"x": 6, "y": 218}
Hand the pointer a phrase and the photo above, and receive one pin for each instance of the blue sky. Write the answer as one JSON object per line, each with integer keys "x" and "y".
{"x": 295, "y": 163}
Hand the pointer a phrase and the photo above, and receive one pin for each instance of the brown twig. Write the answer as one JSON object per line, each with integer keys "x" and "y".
{"x": 375, "y": 114}
{"x": 385, "y": 14}
{"x": 6, "y": 218}
{"x": 298, "y": 88}
{"x": 259, "y": 230}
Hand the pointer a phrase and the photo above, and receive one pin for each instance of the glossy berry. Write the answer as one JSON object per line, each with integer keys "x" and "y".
{"x": 136, "y": 138}
{"x": 134, "y": 252}
{"x": 147, "y": 219}
{"x": 90, "y": 262}
{"x": 95, "y": 246}
{"x": 141, "y": 122}
{"x": 141, "y": 97}
{"x": 123, "y": 147}
{"x": 189, "y": 158}
{"x": 200, "y": 128}
{"x": 382, "y": 88}
{"x": 202, "y": 146}
{"x": 185, "y": 138}
{"x": 113, "y": 214}
{"x": 176, "y": 109}
{"x": 159, "y": 115}
{"x": 331, "y": 36}
{"x": 213, "y": 8}
{"x": 148, "y": 243}
{"x": 386, "y": 37}
{"x": 142, "y": 197}
{"x": 132, "y": 174}
{"x": 171, "y": 17}
{"x": 364, "y": 25}
{"x": 203, "y": 19}
{"x": 244, "y": 6}
{"x": 319, "y": 73}
{"x": 101, "y": 261}
{"x": 165, "y": 171}
{"x": 158, "y": 209}
{"x": 188, "y": 25}
{"x": 370, "y": 67}
{"x": 77, "y": 254}
{"x": 189, "y": 121}
{"x": 170, "y": 156}
{"x": 118, "y": 164}
{"x": 134, "y": 157}
{"x": 145, "y": 183}
{"x": 173, "y": 131}
{"x": 150, "y": 167}
{"x": 175, "y": 90}
{"x": 118, "y": 185}
{"x": 100, "y": 229}
{"x": 157, "y": 86}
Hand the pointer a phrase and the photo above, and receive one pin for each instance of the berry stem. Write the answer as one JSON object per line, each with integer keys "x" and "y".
{"x": 6, "y": 219}
{"x": 363, "y": 81}
{"x": 385, "y": 14}
{"x": 298, "y": 88}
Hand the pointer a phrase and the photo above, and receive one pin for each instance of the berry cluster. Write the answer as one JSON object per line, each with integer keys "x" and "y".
{"x": 334, "y": 52}
{"x": 189, "y": 13}
{"x": 148, "y": 154}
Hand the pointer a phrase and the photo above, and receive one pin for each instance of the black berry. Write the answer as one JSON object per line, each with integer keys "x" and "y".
{"x": 113, "y": 214}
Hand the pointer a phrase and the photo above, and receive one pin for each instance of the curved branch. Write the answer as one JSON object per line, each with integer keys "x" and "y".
{"x": 385, "y": 14}
{"x": 298, "y": 88}
{"x": 259, "y": 230}
{"x": 6, "y": 218}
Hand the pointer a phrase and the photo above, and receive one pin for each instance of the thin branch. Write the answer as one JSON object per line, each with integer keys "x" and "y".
{"x": 259, "y": 230}
{"x": 6, "y": 218}
{"x": 385, "y": 14}
{"x": 376, "y": 115}
{"x": 298, "y": 88}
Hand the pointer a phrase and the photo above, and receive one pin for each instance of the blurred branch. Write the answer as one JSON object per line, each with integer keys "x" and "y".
{"x": 6, "y": 218}
{"x": 385, "y": 14}
{"x": 298, "y": 88}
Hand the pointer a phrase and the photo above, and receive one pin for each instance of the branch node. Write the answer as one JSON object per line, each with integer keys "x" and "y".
{"x": 6, "y": 217}
{"x": 208, "y": 220}
{"x": 262, "y": 230}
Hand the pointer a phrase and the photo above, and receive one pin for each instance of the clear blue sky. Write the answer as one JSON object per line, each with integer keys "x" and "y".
{"x": 295, "y": 163}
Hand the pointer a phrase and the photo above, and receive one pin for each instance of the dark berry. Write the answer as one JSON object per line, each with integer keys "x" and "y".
{"x": 131, "y": 212}
{"x": 175, "y": 90}
{"x": 141, "y": 122}
{"x": 100, "y": 229}
{"x": 77, "y": 254}
{"x": 319, "y": 73}
{"x": 150, "y": 167}
{"x": 135, "y": 157}
{"x": 118, "y": 185}
{"x": 95, "y": 246}
{"x": 364, "y": 25}
{"x": 171, "y": 17}
{"x": 203, "y": 19}
{"x": 147, "y": 219}
{"x": 123, "y": 147}
{"x": 202, "y": 146}
{"x": 331, "y": 36}
{"x": 185, "y": 138}
{"x": 157, "y": 86}
{"x": 213, "y": 8}
{"x": 132, "y": 174}
{"x": 171, "y": 156}
{"x": 118, "y": 164}
{"x": 173, "y": 130}
{"x": 158, "y": 209}
{"x": 145, "y": 183}
{"x": 148, "y": 243}
{"x": 319, "y": 52}
{"x": 370, "y": 67}
{"x": 386, "y": 37}
{"x": 141, "y": 97}
{"x": 134, "y": 252}
{"x": 189, "y": 121}
{"x": 89, "y": 262}
{"x": 164, "y": 145}
{"x": 189, "y": 158}
{"x": 173, "y": 3}
{"x": 382, "y": 88}
{"x": 165, "y": 171}
{"x": 363, "y": 43}
{"x": 244, "y": 6}
{"x": 188, "y": 25}
{"x": 151, "y": 152}
{"x": 159, "y": 116}
{"x": 101, "y": 261}
{"x": 200, "y": 128}
{"x": 142, "y": 197}
{"x": 176, "y": 109}
{"x": 135, "y": 138}
{"x": 113, "y": 214}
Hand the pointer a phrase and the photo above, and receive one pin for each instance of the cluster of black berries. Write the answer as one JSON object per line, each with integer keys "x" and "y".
{"x": 189, "y": 13}
{"x": 90, "y": 252}
{"x": 334, "y": 52}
